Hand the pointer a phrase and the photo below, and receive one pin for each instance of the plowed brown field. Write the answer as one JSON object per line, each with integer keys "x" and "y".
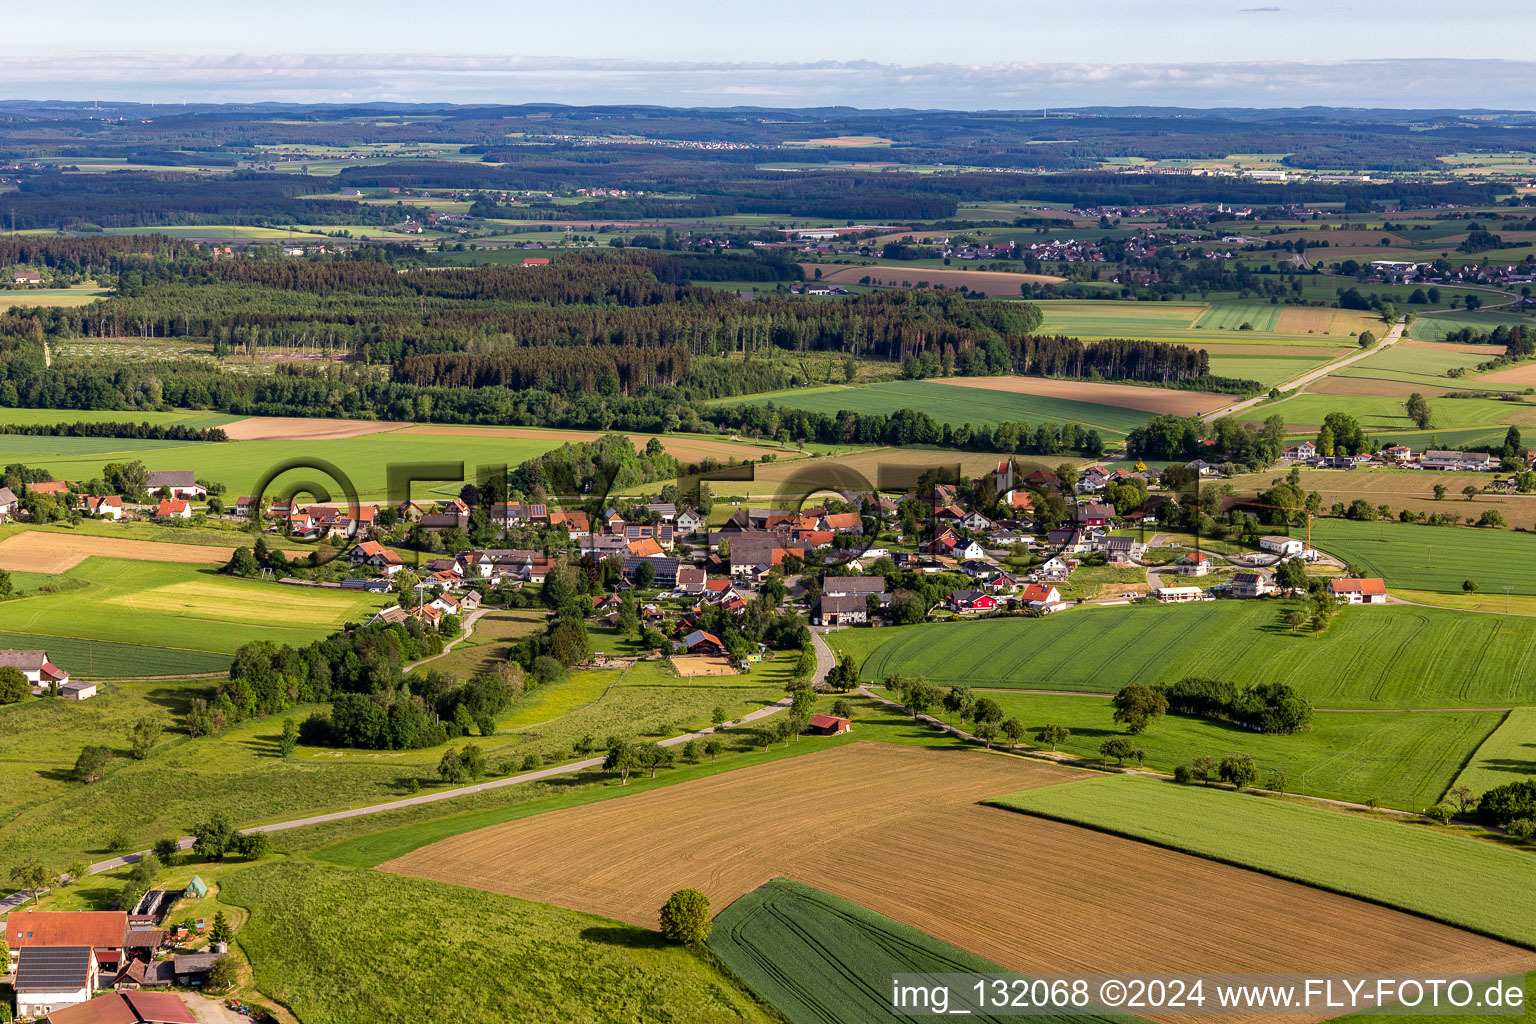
{"x": 899, "y": 830}
{"x": 35, "y": 551}
{"x": 299, "y": 428}
{"x": 988, "y": 282}
{"x": 1124, "y": 396}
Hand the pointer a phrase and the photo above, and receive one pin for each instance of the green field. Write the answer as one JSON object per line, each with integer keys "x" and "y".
{"x": 1432, "y": 557}
{"x": 1304, "y": 414}
{"x": 1509, "y": 755}
{"x": 403, "y": 944}
{"x": 1421, "y": 366}
{"x": 1230, "y": 316}
{"x": 240, "y": 465}
{"x": 81, "y": 296}
{"x": 183, "y": 607}
{"x": 1267, "y": 370}
{"x": 1433, "y": 872}
{"x": 952, "y": 404}
{"x": 107, "y": 659}
{"x": 1402, "y": 759}
{"x": 186, "y": 417}
{"x": 1381, "y": 657}
{"x": 819, "y": 959}
{"x": 1435, "y": 326}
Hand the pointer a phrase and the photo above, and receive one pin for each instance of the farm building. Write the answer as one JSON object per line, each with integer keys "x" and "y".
{"x": 35, "y": 666}
{"x": 192, "y": 968}
{"x": 828, "y": 725}
{"x": 703, "y": 642}
{"x": 127, "y": 1008}
{"x": 1454, "y": 461}
{"x": 841, "y": 610}
{"x": 50, "y": 978}
{"x": 176, "y": 483}
{"x": 1282, "y": 545}
{"x": 1365, "y": 591}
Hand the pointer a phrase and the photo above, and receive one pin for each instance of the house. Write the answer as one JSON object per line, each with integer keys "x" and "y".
{"x": 8, "y": 503}
{"x": 1452, "y": 461}
{"x": 57, "y": 488}
{"x": 27, "y": 277}
{"x": 1092, "y": 480}
{"x": 1093, "y": 514}
{"x": 535, "y": 261}
{"x": 371, "y": 552}
{"x": 1396, "y": 453}
{"x": 664, "y": 570}
{"x": 1040, "y": 596}
{"x": 687, "y": 522}
{"x": 972, "y": 601}
{"x": 470, "y": 601}
{"x": 1282, "y": 545}
{"x": 1124, "y": 549}
{"x": 861, "y": 586}
{"x": 828, "y": 725}
{"x": 109, "y": 507}
{"x": 1251, "y": 584}
{"x": 976, "y": 523}
{"x": 99, "y": 930}
{"x": 1297, "y": 452}
{"x": 173, "y": 508}
{"x": 132, "y": 1007}
{"x": 691, "y": 579}
{"x": 1177, "y": 594}
{"x": 1200, "y": 466}
{"x": 38, "y": 670}
{"x": 841, "y": 610}
{"x": 1068, "y": 540}
{"x": 176, "y": 483}
{"x": 1018, "y": 500}
{"x": 1196, "y": 564}
{"x": 1358, "y": 591}
{"x": 50, "y": 978}
{"x": 576, "y": 523}
{"x": 391, "y": 616}
{"x": 1055, "y": 567}
{"x": 192, "y": 968}
{"x": 841, "y": 522}
{"x": 244, "y": 507}
{"x": 702, "y": 642}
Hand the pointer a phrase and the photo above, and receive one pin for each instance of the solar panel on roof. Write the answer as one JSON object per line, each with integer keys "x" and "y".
{"x": 53, "y": 968}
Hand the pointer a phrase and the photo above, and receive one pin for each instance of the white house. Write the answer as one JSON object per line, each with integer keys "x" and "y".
{"x": 178, "y": 483}
{"x": 1282, "y": 545}
{"x": 1366, "y": 591}
{"x": 1195, "y": 564}
{"x": 173, "y": 508}
{"x": 1175, "y": 594}
{"x": 35, "y": 666}
{"x": 50, "y": 978}
{"x": 109, "y": 507}
{"x": 8, "y": 503}
{"x": 688, "y": 521}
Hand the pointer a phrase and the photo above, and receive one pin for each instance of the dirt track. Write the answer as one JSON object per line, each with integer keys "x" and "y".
{"x": 898, "y": 829}
{"x": 36, "y": 551}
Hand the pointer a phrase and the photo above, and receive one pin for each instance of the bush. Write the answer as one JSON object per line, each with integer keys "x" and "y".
{"x": 1441, "y": 813}
{"x": 685, "y": 917}
{"x": 1509, "y": 802}
{"x": 1183, "y": 774}
{"x": 1522, "y": 828}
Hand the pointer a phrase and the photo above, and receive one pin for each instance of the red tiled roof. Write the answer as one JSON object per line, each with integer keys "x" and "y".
{"x": 1363, "y": 587}
{"x": 99, "y": 929}
{"x": 108, "y": 1009}
{"x": 826, "y": 721}
{"x": 160, "y": 1007}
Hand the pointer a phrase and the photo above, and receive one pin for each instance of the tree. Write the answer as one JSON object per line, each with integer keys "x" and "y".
{"x": 1462, "y": 797}
{"x": 1295, "y": 620}
{"x": 842, "y": 708}
{"x": 959, "y": 701}
{"x": 1470, "y": 491}
{"x": 645, "y": 574}
{"x": 242, "y": 563}
{"x": 987, "y": 711}
{"x": 289, "y": 741}
{"x": 1137, "y": 706}
{"x": 803, "y": 703}
{"x": 1014, "y": 730}
{"x": 142, "y": 737}
{"x": 919, "y": 696}
{"x": 1117, "y": 747}
{"x": 1440, "y": 491}
{"x": 167, "y": 849}
{"x": 622, "y": 758}
{"x": 1052, "y": 734}
{"x": 30, "y": 876}
{"x": 1203, "y": 768}
{"x": 13, "y": 685}
{"x": 1470, "y": 586}
{"x": 714, "y": 748}
{"x": 214, "y": 838}
{"x": 685, "y": 917}
{"x": 1418, "y": 411}
{"x": 223, "y": 973}
{"x": 451, "y": 767}
{"x": 986, "y": 732}
{"x": 220, "y": 931}
{"x": 91, "y": 763}
{"x": 1239, "y": 770}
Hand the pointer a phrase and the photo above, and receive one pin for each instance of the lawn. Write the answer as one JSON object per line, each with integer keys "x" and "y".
{"x": 1380, "y": 657}
{"x": 1444, "y": 876}
{"x": 1509, "y": 755}
{"x": 815, "y": 957}
{"x": 952, "y": 405}
{"x": 1402, "y": 759}
{"x": 1433, "y": 557}
{"x": 484, "y": 959}
{"x": 184, "y": 607}
{"x": 1304, "y": 413}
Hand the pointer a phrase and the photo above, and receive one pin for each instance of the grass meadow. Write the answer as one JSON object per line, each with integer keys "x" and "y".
{"x": 1435, "y": 326}
{"x": 1416, "y": 366}
{"x": 1433, "y": 557}
{"x": 952, "y": 405}
{"x": 1508, "y": 755}
{"x": 1401, "y": 759}
{"x": 1379, "y": 657}
{"x": 1436, "y": 873}
{"x": 312, "y": 924}
{"x": 1386, "y": 414}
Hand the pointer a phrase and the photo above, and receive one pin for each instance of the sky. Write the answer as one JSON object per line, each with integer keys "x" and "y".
{"x": 976, "y": 54}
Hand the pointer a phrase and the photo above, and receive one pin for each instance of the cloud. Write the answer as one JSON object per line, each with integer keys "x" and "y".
{"x": 406, "y": 78}
{"x": 1257, "y": 10}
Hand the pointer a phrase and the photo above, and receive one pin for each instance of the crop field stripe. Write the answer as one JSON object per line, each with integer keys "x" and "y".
{"x": 1335, "y": 851}
{"x": 105, "y": 659}
{"x": 1507, "y": 754}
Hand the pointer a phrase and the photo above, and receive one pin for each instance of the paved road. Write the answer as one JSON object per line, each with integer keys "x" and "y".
{"x": 1304, "y": 379}
{"x": 824, "y": 663}
{"x": 469, "y": 630}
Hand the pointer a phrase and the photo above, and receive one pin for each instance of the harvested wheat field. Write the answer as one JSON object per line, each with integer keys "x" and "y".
{"x": 1123, "y": 396}
{"x": 702, "y": 665}
{"x": 899, "y": 830}
{"x": 34, "y": 551}
{"x": 1514, "y": 377}
{"x": 1375, "y": 386}
{"x": 684, "y": 449}
{"x": 988, "y": 282}
{"x": 300, "y": 428}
